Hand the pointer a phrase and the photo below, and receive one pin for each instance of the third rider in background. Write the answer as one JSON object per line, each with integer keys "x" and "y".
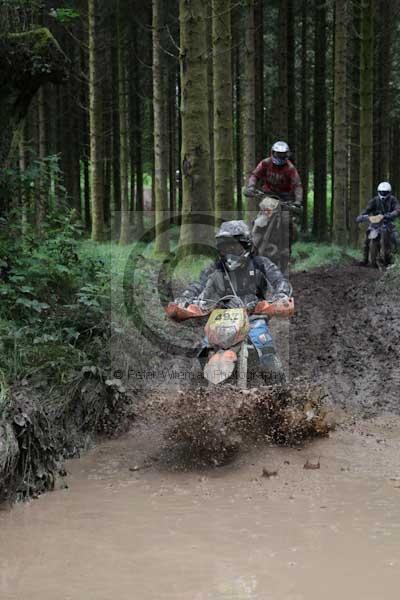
{"x": 386, "y": 204}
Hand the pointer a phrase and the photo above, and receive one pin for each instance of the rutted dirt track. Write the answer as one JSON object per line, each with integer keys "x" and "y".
{"x": 346, "y": 335}
{"x": 132, "y": 525}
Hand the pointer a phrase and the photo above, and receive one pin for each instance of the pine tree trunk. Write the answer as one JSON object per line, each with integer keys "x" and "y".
{"x": 366, "y": 103}
{"x": 96, "y": 123}
{"x": 116, "y": 172}
{"x": 238, "y": 111}
{"x": 354, "y": 155}
{"x": 107, "y": 172}
{"x": 320, "y": 123}
{"x": 304, "y": 146}
{"x": 248, "y": 97}
{"x": 132, "y": 99}
{"x": 331, "y": 124}
{"x": 42, "y": 199}
{"x": 86, "y": 178}
{"x": 85, "y": 145}
{"x": 291, "y": 82}
{"x": 138, "y": 135}
{"x": 382, "y": 97}
{"x": 394, "y": 156}
{"x": 70, "y": 145}
{"x": 195, "y": 119}
{"x": 282, "y": 101}
{"x": 180, "y": 181}
{"x": 160, "y": 107}
{"x": 259, "y": 79}
{"x": 210, "y": 82}
{"x": 340, "y": 126}
{"x": 172, "y": 129}
{"x": 125, "y": 233}
{"x": 223, "y": 117}
{"x": 24, "y": 196}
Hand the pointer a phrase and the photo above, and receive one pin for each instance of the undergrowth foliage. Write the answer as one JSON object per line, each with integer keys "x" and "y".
{"x": 53, "y": 303}
{"x": 55, "y": 331}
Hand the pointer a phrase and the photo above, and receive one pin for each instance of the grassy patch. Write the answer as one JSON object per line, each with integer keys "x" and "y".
{"x": 117, "y": 258}
{"x": 305, "y": 255}
{"x": 308, "y": 255}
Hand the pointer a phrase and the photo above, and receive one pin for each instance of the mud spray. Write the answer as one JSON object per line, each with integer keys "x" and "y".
{"x": 209, "y": 425}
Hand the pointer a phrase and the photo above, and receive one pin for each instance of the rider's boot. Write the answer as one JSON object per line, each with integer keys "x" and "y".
{"x": 271, "y": 366}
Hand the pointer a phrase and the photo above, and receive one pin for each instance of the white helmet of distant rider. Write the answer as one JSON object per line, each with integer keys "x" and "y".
{"x": 384, "y": 189}
{"x": 280, "y": 153}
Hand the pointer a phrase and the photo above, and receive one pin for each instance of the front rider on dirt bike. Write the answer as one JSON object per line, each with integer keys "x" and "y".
{"x": 387, "y": 205}
{"x": 250, "y": 278}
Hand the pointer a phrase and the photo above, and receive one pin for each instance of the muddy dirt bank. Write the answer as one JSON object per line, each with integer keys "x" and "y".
{"x": 38, "y": 430}
{"x": 346, "y": 336}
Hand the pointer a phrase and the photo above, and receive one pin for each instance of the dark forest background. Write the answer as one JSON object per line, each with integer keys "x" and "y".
{"x": 123, "y": 106}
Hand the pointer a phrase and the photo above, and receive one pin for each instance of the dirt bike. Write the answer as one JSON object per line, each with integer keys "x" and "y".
{"x": 273, "y": 229}
{"x": 380, "y": 245}
{"x": 227, "y": 333}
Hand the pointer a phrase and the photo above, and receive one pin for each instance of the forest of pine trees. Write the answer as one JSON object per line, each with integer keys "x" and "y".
{"x": 164, "y": 105}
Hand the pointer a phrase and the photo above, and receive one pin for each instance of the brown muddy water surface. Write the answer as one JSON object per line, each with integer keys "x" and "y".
{"x": 133, "y": 527}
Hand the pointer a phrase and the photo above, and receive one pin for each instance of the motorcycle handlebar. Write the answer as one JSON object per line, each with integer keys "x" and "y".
{"x": 285, "y": 204}
{"x": 280, "y": 307}
{"x": 249, "y": 193}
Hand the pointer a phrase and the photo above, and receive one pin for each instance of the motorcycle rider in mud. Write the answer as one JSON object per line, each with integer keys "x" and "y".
{"x": 386, "y": 204}
{"x": 277, "y": 175}
{"x": 251, "y": 278}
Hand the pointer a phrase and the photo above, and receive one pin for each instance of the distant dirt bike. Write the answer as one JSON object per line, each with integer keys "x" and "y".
{"x": 380, "y": 245}
{"x": 273, "y": 230}
{"x": 227, "y": 333}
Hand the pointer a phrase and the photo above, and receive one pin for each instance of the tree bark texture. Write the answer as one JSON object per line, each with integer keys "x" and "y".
{"x": 160, "y": 107}
{"x": 259, "y": 80}
{"x": 195, "y": 119}
{"x": 304, "y": 142}
{"x": 248, "y": 96}
{"x": 354, "y": 126}
{"x": 366, "y": 103}
{"x": 320, "y": 122}
{"x": 340, "y": 125}
{"x": 223, "y": 111}
{"x": 96, "y": 123}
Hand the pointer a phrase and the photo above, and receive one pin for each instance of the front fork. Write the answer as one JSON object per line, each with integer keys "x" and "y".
{"x": 242, "y": 366}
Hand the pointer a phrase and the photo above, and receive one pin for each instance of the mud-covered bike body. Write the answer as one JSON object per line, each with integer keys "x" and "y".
{"x": 227, "y": 346}
{"x": 380, "y": 244}
{"x": 273, "y": 229}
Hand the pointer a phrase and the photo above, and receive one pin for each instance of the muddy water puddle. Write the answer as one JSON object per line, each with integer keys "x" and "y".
{"x": 131, "y": 527}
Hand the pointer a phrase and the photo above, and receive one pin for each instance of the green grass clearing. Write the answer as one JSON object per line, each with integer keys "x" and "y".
{"x": 309, "y": 255}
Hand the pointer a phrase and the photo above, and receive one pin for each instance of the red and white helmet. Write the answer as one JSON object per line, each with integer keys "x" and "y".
{"x": 280, "y": 153}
